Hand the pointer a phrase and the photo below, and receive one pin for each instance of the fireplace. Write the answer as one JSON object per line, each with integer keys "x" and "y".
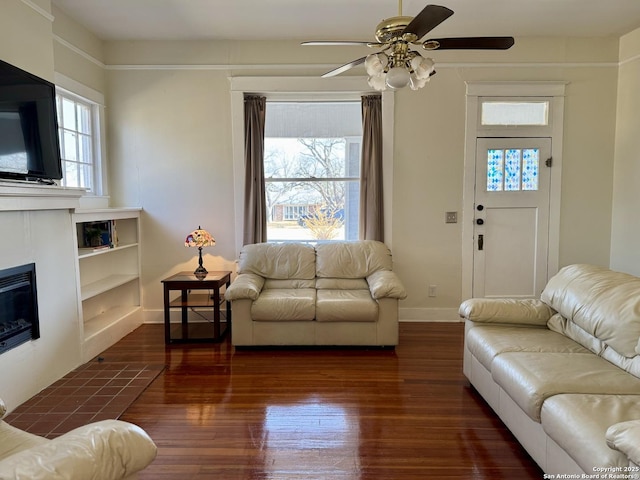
{"x": 18, "y": 306}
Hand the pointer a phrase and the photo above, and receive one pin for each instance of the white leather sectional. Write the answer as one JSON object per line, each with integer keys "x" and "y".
{"x": 105, "y": 450}
{"x": 334, "y": 293}
{"x": 563, "y": 372}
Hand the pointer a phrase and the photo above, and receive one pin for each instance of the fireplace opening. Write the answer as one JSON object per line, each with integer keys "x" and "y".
{"x": 18, "y": 306}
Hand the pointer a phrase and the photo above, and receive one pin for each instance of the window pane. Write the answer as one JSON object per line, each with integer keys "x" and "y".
{"x": 495, "y": 166}
{"x": 309, "y": 211}
{"x": 84, "y": 119}
{"x": 70, "y": 146}
{"x": 68, "y": 114}
{"x": 530, "y": 168}
{"x": 84, "y": 149}
{"x": 512, "y": 170}
{"x": 515, "y": 113}
{"x": 71, "y": 174}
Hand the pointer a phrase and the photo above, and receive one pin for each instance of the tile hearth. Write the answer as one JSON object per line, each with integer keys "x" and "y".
{"x": 94, "y": 391}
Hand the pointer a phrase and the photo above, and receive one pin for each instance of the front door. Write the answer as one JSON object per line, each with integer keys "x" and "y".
{"x": 511, "y": 221}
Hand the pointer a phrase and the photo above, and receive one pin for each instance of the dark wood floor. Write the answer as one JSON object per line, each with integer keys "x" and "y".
{"x": 345, "y": 414}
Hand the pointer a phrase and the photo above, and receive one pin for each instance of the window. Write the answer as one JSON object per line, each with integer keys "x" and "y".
{"x": 503, "y": 113}
{"x": 78, "y": 127}
{"x": 312, "y": 170}
{"x": 513, "y": 169}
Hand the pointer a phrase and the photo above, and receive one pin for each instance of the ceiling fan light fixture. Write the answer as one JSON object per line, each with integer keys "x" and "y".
{"x": 398, "y": 77}
{"x": 416, "y": 83}
{"x": 375, "y": 63}
{"x": 422, "y": 67}
{"x": 378, "y": 82}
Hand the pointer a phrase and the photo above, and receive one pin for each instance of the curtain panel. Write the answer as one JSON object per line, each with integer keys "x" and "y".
{"x": 255, "y": 205}
{"x": 371, "y": 197}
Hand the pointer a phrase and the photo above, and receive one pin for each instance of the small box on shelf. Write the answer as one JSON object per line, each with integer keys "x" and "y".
{"x": 93, "y": 236}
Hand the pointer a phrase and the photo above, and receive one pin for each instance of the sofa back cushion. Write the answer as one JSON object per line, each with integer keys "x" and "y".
{"x": 357, "y": 259}
{"x": 283, "y": 261}
{"x": 603, "y": 303}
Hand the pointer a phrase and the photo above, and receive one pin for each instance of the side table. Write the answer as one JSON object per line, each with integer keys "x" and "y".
{"x": 187, "y": 283}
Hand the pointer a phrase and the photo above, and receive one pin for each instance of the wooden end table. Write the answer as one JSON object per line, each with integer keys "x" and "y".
{"x": 187, "y": 283}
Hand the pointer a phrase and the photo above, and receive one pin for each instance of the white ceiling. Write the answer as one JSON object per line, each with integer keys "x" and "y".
{"x": 343, "y": 19}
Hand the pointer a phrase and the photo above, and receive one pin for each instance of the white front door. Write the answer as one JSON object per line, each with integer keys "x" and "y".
{"x": 511, "y": 219}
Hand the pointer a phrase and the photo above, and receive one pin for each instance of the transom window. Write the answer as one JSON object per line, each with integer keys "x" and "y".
{"x": 312, "y": 170}
{"x": 513, "y": 169}
{"x": 505, "y": 113}
{"x": 77, "y": 131}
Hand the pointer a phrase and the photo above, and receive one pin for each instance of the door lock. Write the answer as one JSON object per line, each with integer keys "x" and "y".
{"x": 479, "y": 221}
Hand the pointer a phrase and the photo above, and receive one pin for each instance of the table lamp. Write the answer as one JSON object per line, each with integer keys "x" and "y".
{"x": 199, "y": 238}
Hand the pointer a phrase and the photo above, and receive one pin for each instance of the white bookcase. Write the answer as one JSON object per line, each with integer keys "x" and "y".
{"x": 108, "y": 278}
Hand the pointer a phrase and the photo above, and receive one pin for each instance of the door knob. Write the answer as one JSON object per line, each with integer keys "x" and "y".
{"x": 479, "y": 221}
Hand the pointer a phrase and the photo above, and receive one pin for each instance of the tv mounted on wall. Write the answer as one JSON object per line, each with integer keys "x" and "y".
{"x": 29, "y": 145}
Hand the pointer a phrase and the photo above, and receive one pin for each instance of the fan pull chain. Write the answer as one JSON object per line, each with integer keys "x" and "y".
{"x": 399, "y": 8}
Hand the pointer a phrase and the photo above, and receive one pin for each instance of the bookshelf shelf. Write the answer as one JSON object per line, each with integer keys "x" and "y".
{"x": 109, "y": 286}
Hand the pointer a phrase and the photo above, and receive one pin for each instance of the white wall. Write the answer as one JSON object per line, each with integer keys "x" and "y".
{"x": 625, "y": 253}
{"x": 41, "y": 232}
{"x": 171, "y": 150}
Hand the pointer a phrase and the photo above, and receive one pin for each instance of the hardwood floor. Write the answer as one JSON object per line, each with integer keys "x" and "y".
{"x": 346, "y": 414}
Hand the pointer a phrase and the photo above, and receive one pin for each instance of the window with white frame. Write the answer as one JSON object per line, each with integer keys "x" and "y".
{"x": 312, "y": 170}
{"x": 78, "y": 131}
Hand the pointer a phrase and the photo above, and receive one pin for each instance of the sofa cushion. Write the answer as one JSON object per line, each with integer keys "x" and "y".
{"x": 284, "y": 305}
{"x": 603, "y": 303}
{"x": 485, "y": 342}
{"x": 278, "y": 260}
{"x": 289, "y": 283}
{"x": 352, "y": 259}
{"x": 346, "y": 305}
{"x": 578, "y": 424}
{"x": 342, "y": 284}
{"x": 530, "y": 378}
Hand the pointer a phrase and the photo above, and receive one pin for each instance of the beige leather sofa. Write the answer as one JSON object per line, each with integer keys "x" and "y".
{"x": 563, "y": 372}
{"x": 334, "y": 293}
{"x": 106, "y": 450}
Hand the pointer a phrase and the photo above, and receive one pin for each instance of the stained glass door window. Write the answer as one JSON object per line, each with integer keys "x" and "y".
{"x": 513, "y": 169}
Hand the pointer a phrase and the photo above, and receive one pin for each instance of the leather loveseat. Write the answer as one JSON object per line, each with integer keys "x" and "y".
{"x": 105, "y": 450}
{"x": 334, "y": 293}
{"x": 563, "y": 372}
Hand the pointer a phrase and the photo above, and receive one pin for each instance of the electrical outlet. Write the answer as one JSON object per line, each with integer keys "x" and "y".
{"x": 433, "y": 290}
{"x": 451, "y": 217}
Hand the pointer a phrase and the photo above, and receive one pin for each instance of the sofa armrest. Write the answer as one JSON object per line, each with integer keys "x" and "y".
{"x": 246, "y": 285}
{"x": 506, "y": 310}
{"x": 105, "y": 450}
{"x": 625, "y": 437}
{"x": 386, "y": 284}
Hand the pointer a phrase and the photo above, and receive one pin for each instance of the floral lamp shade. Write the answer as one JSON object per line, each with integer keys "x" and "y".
{"x": 200, "y": 238}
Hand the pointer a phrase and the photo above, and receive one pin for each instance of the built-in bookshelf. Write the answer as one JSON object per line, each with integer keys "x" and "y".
{"x": 108, "y": 254}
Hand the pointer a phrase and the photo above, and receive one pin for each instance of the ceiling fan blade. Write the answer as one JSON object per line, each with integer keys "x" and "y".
{"x": 339, "y": 43}
{"x": 344, "y": 68}
{"x": 469, "y": 43}
{"x": 429, "y": 18}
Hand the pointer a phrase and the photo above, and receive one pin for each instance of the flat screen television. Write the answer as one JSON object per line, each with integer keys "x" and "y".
{"x": 29, "y": 144}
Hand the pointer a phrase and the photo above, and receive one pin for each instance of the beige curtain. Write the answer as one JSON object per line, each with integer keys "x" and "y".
{"x": 255, "y": 206}
{"x": 371, "y": 205}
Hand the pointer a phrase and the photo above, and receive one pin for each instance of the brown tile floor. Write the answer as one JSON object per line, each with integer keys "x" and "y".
{"x": 95, "y": 391}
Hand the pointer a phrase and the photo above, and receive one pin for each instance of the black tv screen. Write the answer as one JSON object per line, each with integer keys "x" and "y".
{"x": 29, "y": 145}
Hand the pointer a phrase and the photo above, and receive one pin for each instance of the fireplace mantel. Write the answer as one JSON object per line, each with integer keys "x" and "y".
{"x": 15, "y": 196}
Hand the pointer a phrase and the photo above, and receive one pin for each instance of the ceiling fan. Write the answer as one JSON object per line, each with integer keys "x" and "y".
{"x": 399, "y": 64}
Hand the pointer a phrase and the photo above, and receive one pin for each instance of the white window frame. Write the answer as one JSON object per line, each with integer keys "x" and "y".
{"x": 77, "y": 92}
{"x": 305, "y": 88}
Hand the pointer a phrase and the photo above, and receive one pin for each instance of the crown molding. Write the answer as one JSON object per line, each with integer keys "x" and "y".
{"x": 38, "y": 9}
{"x": 79, "y": 51}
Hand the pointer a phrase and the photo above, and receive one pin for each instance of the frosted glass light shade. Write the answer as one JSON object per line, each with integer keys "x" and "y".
{"x": 378, "y": 82}
{"x": 374, "y": 64}
{"x": 398, "y": 77}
